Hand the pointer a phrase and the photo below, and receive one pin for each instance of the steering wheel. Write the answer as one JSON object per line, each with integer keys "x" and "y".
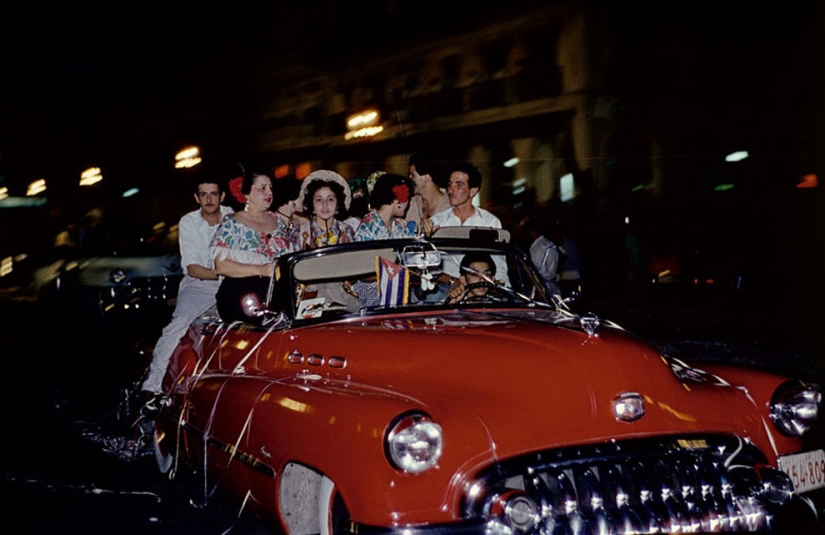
{"x": 494, "y": 292}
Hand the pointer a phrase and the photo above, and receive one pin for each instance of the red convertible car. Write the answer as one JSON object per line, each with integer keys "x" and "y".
{"x": 361, "y": 395}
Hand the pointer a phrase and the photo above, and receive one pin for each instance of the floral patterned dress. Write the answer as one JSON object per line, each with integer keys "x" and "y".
{"x": 244, "y": 244}
{"x": 372, "y": 227}
{"x": 309, "y": 235}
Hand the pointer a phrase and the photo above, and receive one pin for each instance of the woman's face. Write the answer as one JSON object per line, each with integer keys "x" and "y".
{"x": 324, "y": 203}
{"x": 260, "y": 197}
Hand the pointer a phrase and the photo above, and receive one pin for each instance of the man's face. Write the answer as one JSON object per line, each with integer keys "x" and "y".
{"x": 478, "y": 269}
{"x": 209, "y": 197}
{"x": 418, "y": 180}
{"x": 458, "y": 190}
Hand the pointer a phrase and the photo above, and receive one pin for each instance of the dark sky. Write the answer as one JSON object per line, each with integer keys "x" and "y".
{"x": 72, "y": 75}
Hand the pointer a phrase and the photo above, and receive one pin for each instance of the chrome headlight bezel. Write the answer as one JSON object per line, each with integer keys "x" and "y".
{"x": 413, "y": 443}
{"x": 794, "y": 407}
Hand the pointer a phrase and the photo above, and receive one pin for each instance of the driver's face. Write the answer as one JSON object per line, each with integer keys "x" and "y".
{"x": 474, "y": 276}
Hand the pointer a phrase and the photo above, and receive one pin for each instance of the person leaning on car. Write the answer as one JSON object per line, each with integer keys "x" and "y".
{"x": 199, "y": 284}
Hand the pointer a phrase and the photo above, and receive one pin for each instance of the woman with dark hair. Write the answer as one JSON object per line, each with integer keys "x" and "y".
{"x": 389, "y": 199}
{"x": 325, "y": 198}
{"x": 246, "y": 244}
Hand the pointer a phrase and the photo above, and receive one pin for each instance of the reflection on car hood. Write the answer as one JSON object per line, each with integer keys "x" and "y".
{"x": 522, "y": 379}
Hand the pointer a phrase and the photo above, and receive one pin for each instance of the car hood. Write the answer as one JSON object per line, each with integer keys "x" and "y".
{"x": 531, "y": 379}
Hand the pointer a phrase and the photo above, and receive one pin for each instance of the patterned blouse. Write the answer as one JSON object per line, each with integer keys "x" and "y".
{"x": 372, "y": 227}
{"x": 247, "y": 245}
{"x": 308, "y": 235}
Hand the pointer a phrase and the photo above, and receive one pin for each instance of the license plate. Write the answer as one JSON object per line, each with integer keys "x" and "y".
{"x": 806, "y": 470}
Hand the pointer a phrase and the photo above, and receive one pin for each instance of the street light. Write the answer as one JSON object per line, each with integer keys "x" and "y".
{"x": 38, "y": 186}
{"x": 188, "y": 157}
{"x": 90, "y": 176}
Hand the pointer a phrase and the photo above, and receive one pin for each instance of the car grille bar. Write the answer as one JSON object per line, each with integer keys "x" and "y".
{"x": 664, "y": 486}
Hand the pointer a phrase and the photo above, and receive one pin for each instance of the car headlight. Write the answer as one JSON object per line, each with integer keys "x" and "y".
{"x": 117, "y": 276}
{"x": 414, "y": 443}
{"x": 795, "y": 407}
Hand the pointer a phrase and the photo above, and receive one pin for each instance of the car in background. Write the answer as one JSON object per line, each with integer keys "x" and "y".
{"x": 113, "y": 270}
{"x": 350, "y": 396}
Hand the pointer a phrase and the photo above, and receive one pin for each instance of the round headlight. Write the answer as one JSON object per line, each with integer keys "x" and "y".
{"x": 795, "y": 407}
{"x": 413, "y": 443}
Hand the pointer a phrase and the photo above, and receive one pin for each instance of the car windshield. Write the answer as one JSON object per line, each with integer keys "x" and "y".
{"x": 404, "y": 275}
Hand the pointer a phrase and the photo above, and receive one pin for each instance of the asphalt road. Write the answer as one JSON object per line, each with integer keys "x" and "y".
{"x": 66, "y": 464}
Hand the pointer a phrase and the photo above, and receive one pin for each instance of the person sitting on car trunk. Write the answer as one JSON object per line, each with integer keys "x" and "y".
{"x": 196, "y": 293}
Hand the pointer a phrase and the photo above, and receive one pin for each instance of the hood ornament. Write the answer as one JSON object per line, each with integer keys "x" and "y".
{"x": 628, "y": 407}
{"x": 590, "y": 323}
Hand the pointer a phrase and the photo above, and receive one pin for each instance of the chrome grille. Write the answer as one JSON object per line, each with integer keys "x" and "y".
{"x": 695, "y": 484}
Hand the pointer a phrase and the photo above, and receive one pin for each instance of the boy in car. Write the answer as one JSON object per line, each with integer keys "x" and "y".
{"x": 475, "y": 268}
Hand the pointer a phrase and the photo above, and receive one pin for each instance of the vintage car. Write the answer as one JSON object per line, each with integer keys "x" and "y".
{"x": 126, "y": 272}
{"x": 354, "y": 398}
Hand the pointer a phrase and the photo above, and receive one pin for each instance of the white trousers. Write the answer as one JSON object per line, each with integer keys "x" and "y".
{"x": 192, "y": 302}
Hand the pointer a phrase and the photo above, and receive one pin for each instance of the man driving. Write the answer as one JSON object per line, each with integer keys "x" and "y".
{"x": 477, "y": 274}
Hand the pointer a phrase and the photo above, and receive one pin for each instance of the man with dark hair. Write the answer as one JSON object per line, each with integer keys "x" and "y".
{"x": 476, "y": 268}
{"x": 200, "y": 282}
{"x": 464, "y": 183}
{"x": 427, "y": 174}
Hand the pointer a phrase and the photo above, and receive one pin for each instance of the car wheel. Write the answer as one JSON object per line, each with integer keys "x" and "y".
{"x": 333, "y": 515}
{"x": 163, "y": 457}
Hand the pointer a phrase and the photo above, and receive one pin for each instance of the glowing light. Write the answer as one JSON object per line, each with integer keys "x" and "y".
{"x": 130, "y": 192}
{"x": 567, "y": 189}
{"x": 626, "y": 220}
{"x": 187, "y": 157}
{"x": 808, "y": 181}
{"x": 38, "y": 186}
{"x": 736, "y": 156}
{"x": 188, "y": 162}
{"x": 637, "y": 187}
{"x": 723, "y": 187}
{"x": 4, "y": 193}
{"x": 367, "y": 131}
{"x": 90, "y": 176}
{"x": 511, "y": 162}
{"x": 188, "y": 152}
{"x": 281, "y": 171}
{"x": 6, "y": 266}
{"x": 368, "y": 118}
{"x": 302, "y": 171}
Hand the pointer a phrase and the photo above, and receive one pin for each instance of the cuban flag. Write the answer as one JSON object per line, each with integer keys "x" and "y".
{"x": 393, "y": 283}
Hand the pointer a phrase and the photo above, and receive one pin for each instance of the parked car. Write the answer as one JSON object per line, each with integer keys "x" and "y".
{"x": 497, "y": 413}
{"x": 125, "y": 271}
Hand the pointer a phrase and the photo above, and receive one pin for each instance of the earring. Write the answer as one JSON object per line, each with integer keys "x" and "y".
{"x": 246, "y": 206}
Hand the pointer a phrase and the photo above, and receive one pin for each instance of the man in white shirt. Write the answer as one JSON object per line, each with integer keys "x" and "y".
{"x": 464, "y": 183}
{"x": 200, "y": 282}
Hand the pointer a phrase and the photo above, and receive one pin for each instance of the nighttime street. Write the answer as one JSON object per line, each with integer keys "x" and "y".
{"x": 669, "y": 152}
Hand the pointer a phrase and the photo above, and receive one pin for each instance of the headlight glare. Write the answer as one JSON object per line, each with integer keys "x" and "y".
{"x": 795, "y": 407}
{"x": 414, "y": 443}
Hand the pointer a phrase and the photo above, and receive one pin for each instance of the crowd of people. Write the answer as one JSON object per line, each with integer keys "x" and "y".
{"x": 224, "y": 252}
